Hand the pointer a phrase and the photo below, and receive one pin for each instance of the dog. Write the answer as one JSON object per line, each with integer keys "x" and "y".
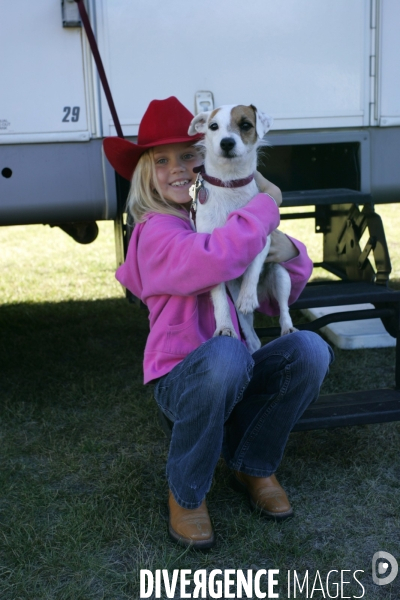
{"x": 232, "y": 136}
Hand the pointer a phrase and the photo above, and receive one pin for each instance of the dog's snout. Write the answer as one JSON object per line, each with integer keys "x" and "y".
{"x": 227, "y": 144}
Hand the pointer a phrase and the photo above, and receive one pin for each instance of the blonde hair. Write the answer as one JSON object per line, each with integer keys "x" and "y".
{"x": 145, "y": 195}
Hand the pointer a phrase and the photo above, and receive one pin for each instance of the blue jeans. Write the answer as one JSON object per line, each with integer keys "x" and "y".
{"x": 222, "y": 399}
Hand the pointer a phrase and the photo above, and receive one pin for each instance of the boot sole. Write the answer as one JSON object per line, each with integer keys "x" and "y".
{"x": 270, "y": 515}
{"x": 187, "y": 543}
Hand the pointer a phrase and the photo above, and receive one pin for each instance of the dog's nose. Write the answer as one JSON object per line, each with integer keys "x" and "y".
{"x": 227, "y": 144}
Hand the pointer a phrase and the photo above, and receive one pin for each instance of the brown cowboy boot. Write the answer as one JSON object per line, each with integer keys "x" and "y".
{"x": 190, "y": 527}
{"x": 266, "y": 495}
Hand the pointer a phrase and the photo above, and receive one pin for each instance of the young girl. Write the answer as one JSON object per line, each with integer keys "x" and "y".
{"x": 220, "y": 398}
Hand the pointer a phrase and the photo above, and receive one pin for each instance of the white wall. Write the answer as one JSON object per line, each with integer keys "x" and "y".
{"x": 304, "y": 62}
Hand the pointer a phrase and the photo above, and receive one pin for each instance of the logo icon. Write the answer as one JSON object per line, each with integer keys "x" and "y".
{"x": 384, "y": 568}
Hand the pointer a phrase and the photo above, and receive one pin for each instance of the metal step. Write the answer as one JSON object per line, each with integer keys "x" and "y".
{"x": 351, "y": 408}
{"x": 342, "y": 293}
{"x": 325, "y": 197}
{"x": 339, "y": 293}
{"x": 338, "y": 410}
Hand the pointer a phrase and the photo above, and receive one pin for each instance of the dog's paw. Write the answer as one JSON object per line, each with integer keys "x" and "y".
{"x": 288, "y": 330}
{"x": 228, "y": 331}
{"x": 247, "y": 303}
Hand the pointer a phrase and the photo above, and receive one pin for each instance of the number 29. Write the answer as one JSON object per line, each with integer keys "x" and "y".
{"x": 73, "y": 111}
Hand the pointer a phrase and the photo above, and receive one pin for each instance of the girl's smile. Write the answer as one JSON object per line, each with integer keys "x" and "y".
{"x": 173, "y": 164}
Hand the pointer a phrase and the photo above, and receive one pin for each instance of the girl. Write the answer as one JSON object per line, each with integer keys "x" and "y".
{"x": 220, "y": 398}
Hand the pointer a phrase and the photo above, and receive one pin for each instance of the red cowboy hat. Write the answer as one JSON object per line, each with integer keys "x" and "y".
{"x": 164, "y": 122}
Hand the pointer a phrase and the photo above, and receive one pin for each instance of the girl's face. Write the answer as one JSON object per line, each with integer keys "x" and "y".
{"x": 174, "y": 170}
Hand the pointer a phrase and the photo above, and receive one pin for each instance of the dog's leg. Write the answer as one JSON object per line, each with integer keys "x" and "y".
{"x": 252, "y": 340}
{"x": 224, "y": 325}
{"x": 277, "y": 284}
{"x": 247, "y": 301}
{"x": 246, "y": 321}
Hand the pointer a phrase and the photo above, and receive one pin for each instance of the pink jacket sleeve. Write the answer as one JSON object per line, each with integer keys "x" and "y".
{"x": 168, "y": 257}
{"x": 300, "y": 269}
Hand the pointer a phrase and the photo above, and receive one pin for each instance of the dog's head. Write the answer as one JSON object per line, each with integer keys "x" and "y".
{"x": 231, "y": 131}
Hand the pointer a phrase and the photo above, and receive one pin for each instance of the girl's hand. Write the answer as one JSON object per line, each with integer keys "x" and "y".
{"x": 282, "y": 249}
{"x": 267, "y": 187}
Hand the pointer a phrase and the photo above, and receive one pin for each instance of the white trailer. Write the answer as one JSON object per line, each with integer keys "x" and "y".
{"x": 327, "y": 72}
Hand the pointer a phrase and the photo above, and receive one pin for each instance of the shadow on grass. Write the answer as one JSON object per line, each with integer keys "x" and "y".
{"x": 97, "y": 347}
{"x": 83, "y": 503}
{"x": 68, "y": 343}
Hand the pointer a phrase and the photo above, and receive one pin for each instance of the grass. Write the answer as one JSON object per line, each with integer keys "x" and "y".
{"x": 83, "y": 494}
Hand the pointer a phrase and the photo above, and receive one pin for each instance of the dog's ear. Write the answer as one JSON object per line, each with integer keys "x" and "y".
{"x": 263, "y": 122}
{"x": 199, "y": 123}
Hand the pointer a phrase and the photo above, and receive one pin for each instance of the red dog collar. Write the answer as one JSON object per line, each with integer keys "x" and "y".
{"x": 233, "y": 183}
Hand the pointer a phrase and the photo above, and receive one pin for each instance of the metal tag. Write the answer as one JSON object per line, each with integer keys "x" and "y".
{"x": 194, "y": 190}
{"x": 203, "y": 195}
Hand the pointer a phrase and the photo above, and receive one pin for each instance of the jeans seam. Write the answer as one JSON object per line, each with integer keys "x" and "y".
{"x": 286, "y": 355}
{"x": 261, "y": 420}
{"x": 172, "y": 379}
{"x": 181, "y": 375}
{"x": 178, "y": 383}
{"x": 190, "y": 505}
{"x": 242, "y": 390}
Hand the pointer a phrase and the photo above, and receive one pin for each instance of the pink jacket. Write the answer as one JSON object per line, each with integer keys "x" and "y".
{"x": 171, "y": 269}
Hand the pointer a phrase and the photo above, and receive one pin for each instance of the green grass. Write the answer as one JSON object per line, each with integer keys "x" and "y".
{"x": 82, "y": 488}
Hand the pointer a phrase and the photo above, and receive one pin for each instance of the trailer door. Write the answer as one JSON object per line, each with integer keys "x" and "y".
{"x": 43, "y": 91}
{"x": 388, "y": 63}
{"x": 305, "y": 63}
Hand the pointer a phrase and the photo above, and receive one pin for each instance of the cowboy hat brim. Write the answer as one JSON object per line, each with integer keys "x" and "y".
{"x": 124, "y": 155}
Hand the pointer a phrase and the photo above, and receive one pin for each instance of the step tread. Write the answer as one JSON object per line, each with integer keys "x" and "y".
{"x": 325, "y": 196}
{"x": 351, "y": 408}
{"x": 338, "y": 293}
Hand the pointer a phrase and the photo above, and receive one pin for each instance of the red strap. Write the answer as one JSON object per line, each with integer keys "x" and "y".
{"x": 233, "y": 183}
{"x": 99, "y": 64}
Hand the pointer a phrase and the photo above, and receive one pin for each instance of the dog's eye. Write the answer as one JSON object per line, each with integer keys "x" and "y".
{"x": 246, "y": 126}
{"x": 213, "y": 126}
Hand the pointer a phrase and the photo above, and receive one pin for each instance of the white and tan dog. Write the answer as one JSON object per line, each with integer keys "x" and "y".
{"x": 233, "y": 135}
